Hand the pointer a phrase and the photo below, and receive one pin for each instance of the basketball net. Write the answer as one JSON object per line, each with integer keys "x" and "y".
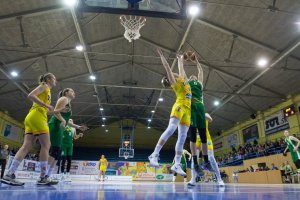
{"x": 126, "y": 155}
{"x": 132, "y": 26}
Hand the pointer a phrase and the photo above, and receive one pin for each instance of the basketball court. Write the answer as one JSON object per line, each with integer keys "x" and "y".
{"x": 148, "y": 190}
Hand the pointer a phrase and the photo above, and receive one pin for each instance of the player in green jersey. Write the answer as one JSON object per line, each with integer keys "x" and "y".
{"x": 198, "y": 119}
{"x": 67, "y": 149}
{"x": 293, "y": 144}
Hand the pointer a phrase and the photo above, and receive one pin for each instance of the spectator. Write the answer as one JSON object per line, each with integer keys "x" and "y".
{"x": 274, "y": 167}
{"x": 288, "y": 169}
{"x": 251, "y": 169}
{"x": 4, "y": 153}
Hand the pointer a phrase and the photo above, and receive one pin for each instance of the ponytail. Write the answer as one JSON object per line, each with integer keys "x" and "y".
{"x": 43, "y": 78}
{"x": 63, "y": 92}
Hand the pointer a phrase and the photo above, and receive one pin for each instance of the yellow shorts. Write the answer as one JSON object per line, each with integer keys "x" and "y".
{"x": 182, "y": 113}
{"x": 198, "y": 142}
{"x": 209, "y": 143}
{"x": 36, "y": 121}
{"x": 103, "y": 168}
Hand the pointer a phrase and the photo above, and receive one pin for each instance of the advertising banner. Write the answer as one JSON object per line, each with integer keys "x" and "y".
{"x": 12, "y": 132}
{"x": 250, "y": 133}
{"x": 276, "y": 123}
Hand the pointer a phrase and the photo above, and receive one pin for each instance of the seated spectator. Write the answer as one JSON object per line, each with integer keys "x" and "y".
{"x": 287, "y": 171}
{"x": 274, "y": 167}
{"x": 287, "y": 168}
{"x": 251, "y": 169}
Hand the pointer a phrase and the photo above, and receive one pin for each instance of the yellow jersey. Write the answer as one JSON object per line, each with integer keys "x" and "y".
{"x": 36, "y": 119}
{"x": 183, "y": 92}
{"x": 44, "y": 97}
{"x": 103, "y": 162}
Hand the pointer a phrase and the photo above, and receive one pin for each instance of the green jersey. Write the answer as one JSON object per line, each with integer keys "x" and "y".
{"x": 56, "y": 131}
{"x": 197, "y": 91}
{"x": 197, "y": 108}
{"x": 66, "y": 116}
{"x": 291, "y": 145}
{"x": 68, "y": 134}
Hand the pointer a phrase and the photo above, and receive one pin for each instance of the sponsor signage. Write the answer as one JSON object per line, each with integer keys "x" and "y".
{"x": 276, "y": 123}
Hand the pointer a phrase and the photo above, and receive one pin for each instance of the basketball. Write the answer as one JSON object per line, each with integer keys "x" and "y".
{"x": 165, "y": 82}
{"x": 189, "y": 56}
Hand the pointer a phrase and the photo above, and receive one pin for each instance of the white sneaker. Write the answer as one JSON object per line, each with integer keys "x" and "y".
{"x": 221, "y": 184}
{"x": 174, "y": 178}
{"x": 67, "y": 178}
{"x": 177, "y": 168}
{"x": 192, "y": 183}
{"x": 153, "y": 159}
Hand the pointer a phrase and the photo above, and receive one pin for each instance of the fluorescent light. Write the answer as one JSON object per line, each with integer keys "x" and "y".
{"x": 161, "y": 99}
{"x": 193, "y": 10}
{"x": 262, "y": 62}
{"x": 70, "y": 3}
{"x": 79, "y": 47}
{"x": 101, "y": 109}
{"x": 103, "y": 118}
{"x": 106, "y": 130}
{"x": 153, "y": 111}
{"x": 14, "y": 74}
{"x": 216, "y": 103}
{"x": 102, "y": 125}
{"x": 93, "y": 77}
{"x": 148, "y": 127}
{"x": 149, "y": 120}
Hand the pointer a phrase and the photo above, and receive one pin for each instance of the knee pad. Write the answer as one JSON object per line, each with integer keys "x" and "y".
{"x": 193, "y": 134}
{"x": 55, "y": 152}
{"x": 202, "y": 134}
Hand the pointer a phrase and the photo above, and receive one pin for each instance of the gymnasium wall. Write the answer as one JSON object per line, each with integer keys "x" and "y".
{"x": 262, "y": 116}
{"x": 11, "y": 131}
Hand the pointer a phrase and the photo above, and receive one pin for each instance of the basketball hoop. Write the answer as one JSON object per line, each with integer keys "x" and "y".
{"x": 132, "y": 26}
{"x": 126, "y": 155}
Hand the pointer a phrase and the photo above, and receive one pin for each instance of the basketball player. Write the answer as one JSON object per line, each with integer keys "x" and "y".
{"x": 57, "y": 124}
{"x": 67, "y": 149}
{"x": 198, "y": 118}
{"x": 36, "y": 127}
{"x": 183, "y": 163}
{"x": 211, "y": 157}
{"x": 180, "y": 114}
{"x": 293, "y": 144}
{"x": 102, "y": 167}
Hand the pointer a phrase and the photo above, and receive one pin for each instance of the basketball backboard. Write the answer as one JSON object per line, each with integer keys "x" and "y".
{"x": 174, "y": 9}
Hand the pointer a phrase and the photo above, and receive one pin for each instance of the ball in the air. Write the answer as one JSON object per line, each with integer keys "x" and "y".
{"x": 189, "y": 56}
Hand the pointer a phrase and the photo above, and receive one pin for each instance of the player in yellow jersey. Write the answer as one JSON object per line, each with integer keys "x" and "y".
{"x": 102, "y": 167}
{"x": 36, "y": 127}
{"x": 211, "y": 157}
{"x": 180, "y": 115}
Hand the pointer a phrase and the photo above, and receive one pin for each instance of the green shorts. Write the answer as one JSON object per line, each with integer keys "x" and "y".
{"x": 198, "y": 115}
{"x": 67, "y": 150}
